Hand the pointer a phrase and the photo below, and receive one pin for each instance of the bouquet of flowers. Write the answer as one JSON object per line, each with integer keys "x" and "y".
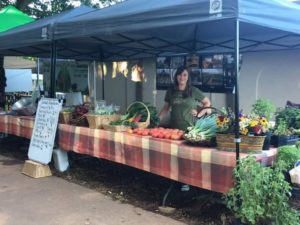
{"x": 249, "y": 124}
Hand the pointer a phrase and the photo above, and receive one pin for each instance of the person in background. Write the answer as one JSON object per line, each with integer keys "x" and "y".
{"x": 2, "y": 88}
{"x": 184, "y": 101}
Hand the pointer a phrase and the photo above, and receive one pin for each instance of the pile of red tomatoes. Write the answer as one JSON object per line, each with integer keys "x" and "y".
{"x": 164, "y": 133}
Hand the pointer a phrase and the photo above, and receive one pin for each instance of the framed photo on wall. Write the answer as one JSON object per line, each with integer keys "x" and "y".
{"x": 163, "y": 79}
{"x": 196, "y": 76}
{"x": 211, "y": 73}
{"x": 177, "y": 61}
{"x": 192, "y": 61}
{"x": 163, "y": 62}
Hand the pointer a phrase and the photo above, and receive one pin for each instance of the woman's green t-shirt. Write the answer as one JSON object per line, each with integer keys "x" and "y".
{"x": 181, "y": 107}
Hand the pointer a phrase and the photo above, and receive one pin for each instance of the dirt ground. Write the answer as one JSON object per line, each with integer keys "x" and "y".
{"x": 136, "y": 187}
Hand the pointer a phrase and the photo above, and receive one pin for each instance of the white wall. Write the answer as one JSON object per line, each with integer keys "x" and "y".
{"x": 118, "y": 91}
{"x": 272, "y": 75}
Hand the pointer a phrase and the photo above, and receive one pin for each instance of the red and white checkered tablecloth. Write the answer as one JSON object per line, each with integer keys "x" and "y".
{"x": 21, "y": 126}
{"x": 202, "y": 167}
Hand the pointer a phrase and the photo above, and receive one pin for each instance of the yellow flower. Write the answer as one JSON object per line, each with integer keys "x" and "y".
{"x": 226, "y": 120}
{"x": 264, "y": 122}
{"x": 242, "y": 118}
{"x": 244, "y": 131}
{"x": 219, "y": 124}
{"x": 253, "y": 123}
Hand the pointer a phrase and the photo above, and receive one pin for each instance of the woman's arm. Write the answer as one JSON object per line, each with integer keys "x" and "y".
{"x": 165, "y": 109}
{"x": 205, "y": 103}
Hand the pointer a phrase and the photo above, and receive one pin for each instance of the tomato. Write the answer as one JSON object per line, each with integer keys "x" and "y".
{"x": 145, "y": 132}
{"x": 177, "y": 137}
{"x": 139, "y": 132}
{"x": 168, "y": 135}
{"x": 160, "y": 135}
{"x": 181, "y": 133}
{"x": 135, "y": 130}
{"x": 155, "y": 134}
{"x": 129, "y": 130}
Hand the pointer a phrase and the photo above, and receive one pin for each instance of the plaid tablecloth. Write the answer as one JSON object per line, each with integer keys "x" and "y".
{"x": 206, "y": 168}
{"x": 21, "y": 126}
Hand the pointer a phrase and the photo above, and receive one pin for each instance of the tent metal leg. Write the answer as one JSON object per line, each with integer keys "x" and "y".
{"x": 167, "y": 194}
{"x": 52, "y": 69}
{"x": 236, "y": 102}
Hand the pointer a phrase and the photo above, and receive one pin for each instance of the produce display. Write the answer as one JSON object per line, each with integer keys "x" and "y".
{"x": 68, "y": 110}
{"x": 138, "y": 112}
{"x": 164, "y": 133}
{"x": 106, "y": 110}
{"x": 79, "y": 112}
{"x": 205, "y": 128}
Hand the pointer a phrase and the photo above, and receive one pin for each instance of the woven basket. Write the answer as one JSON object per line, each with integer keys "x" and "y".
{"x": 80, "y": 121}
{"x": 147, "y": 122}
{"x": 225, "y": 142}
{"x": 115, "y": 128}
{"x": 207, "y": 143}
{"x": 65, "y": 117}
{"x": 97, "y": 121}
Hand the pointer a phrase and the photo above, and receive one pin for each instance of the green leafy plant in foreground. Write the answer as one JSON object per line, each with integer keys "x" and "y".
{"x": 261, "y": 194}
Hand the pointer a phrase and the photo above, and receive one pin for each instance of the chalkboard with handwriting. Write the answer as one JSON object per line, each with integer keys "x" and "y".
{"x": 44, "y": 130}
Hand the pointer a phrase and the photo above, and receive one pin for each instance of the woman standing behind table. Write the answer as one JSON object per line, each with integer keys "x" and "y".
{"x": 183, "y": 100}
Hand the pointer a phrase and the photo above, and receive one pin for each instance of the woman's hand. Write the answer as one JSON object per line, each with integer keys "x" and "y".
{"x": 194, "y": 112}
{"x": 206, "y": 103}
{"x": 165, "y": 109}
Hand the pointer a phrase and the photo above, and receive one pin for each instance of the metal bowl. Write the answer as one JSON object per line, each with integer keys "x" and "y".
{"x": 24, "y": 107}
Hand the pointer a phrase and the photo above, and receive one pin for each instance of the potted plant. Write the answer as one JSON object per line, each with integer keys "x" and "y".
{"x": 265, "y": 107}
{"x": 287, "y": 127}
{"x": 283, "y": 135}
{"x": 291, "y": 116}
{"x": 288, "y": 155}
{"x": 261, "y": 195}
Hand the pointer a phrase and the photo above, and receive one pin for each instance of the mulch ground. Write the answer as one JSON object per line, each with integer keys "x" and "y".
{"x": 136, "y": 187}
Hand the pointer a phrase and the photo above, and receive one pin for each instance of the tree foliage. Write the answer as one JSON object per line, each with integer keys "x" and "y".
{"x": 44, "y": 8}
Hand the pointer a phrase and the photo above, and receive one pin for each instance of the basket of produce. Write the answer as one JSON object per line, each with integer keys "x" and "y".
{"x": 115, "y": 128}
{"x": 203, "y": 132}
{"x": 78, "y": 117}
{"x": 102, "y": 115}
{"x": 97, "y": 121}
{"x": 139, "y": 115}
{"x": 65, "y": 116}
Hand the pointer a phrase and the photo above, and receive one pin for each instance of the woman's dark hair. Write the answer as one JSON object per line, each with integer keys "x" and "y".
{"x": 188, "y": 89}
